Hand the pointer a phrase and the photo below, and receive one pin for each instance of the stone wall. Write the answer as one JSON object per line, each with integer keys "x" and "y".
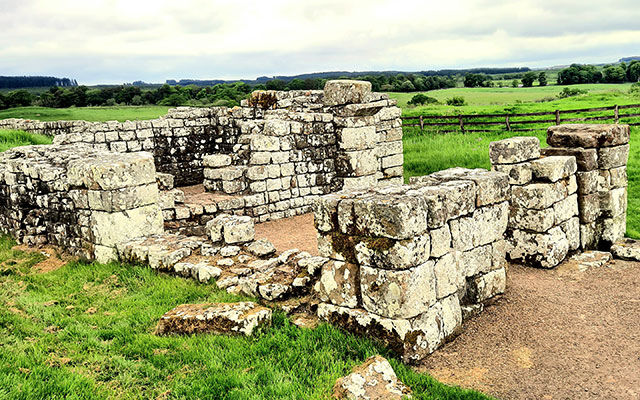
{"x": 602, "y": 152}
{"x": 406, "y": 262}
{"x": 84, "y": 200}
{"x": 274, "y": 154}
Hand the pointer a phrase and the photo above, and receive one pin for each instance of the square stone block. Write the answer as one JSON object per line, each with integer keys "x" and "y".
{"x": 514, "y": 150}
{"x": 587, "y": 136}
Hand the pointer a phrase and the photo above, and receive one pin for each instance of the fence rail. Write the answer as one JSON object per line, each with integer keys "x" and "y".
{"x": 511, "y": 122}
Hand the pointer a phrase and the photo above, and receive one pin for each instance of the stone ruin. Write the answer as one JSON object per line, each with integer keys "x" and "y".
{"x": 405, "y": 264}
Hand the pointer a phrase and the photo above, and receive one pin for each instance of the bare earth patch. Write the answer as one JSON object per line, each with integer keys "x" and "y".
{"x": 53, "y": 259}
{"x": 554, "y": 335}
{"x": 290, "y": 233}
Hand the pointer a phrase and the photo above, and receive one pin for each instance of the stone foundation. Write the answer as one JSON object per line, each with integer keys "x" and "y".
{"x": 405, "y": 260}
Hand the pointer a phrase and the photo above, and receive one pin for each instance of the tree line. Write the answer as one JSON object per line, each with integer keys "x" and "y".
{"x": 620, "y": 73}
{"x": 13, "y": 82}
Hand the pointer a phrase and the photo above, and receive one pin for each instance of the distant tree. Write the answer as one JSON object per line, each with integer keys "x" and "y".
{"x": 276, "y": 84}
{"x": 476, "y": 80}
{"x": 515, "y": 83}
{"x": 528, "y": 79}
{"x": 633, "y": 71}
{"x": 19, "y": 98}
{"x": 3, "y": 103}
{"x": 407, "y": 86}
{"x": 614, "y": 74}
{"x": 296, "y": 84}
{"x": 542, "y": 79}
{"x": 578, "y": 73}
{"x": 570, "y": 92}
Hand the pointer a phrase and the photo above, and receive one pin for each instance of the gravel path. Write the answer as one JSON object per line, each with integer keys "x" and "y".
{"x": 553, "y": 335}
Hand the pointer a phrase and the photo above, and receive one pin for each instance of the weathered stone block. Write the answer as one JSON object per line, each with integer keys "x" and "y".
{"x": 626, "y": 249}
{"x": 571, "y": 229}
{"x": 485, "y": 286}
{"x": 554, "y": 168}
{"x": 587, "y": 181}
{"x": 589, "y": 235}
{"x": 398, "y": 294}
{"x": 123, "y": 199}
{"x": 264, "y": 143}
{"x": 613, "y": 202}
{"x": 164, "y": 181}
{"x": 339, "y": 284}
{"x": 613, "y": 229}
{"x": 216, "y": 160}
{"x": 588, "y": 207}
{"x": 483, "y": 259}
{"x": 112, "y": 171}
{"x": 375, "y": 379}
{"x": 565, "y": 209}
{"x": 391, "y": 254}
{"x": 613, "y": 157}
{"x": 514, "y": 150}
{"x": 491, "y": 186}
{"x": 486, "y": 225}
{"x": 448, "y": 276}
{"x": 519, "y": 174}
{"x": 447, "y": 201}
{"x": 440, "y": 241}
{"x": 539, "y": 196}
{"x": 545, "y": 250}
{"x": 395, "y": 218}
{"x": 618, "y": 177}
{"x": 231, "y": 229}
{"x": 531, "y": 219}
{"x": 218, "y": 318}
{"x": 357, "y": 138}
{"x": 586, "y": 159}
{"x": 340, "y": 92}
{"x": 587, "y": 136}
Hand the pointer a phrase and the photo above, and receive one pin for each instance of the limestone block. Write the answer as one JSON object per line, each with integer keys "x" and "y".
{"x": 587, "y": 136}
{"x": 440, "y": 241}
{"x": 398, "y": 294}
{"x": 482, "y": 259}
{"x": 586, "y": 159}
{"x": 485, "y": 286}
{"x": 545, "y": 250}
{"x": 357, "y": 163}
{"x": 357, "y": 138}
{"x": 276, "y": 127}
{"x": 112, "y": 171}
{"x": 539, "y": 196}
{"x": 110, "y": 229}
{"x": 390, "y": 254}
{"x": 614, "y": 228}
{"x": 448, "y": 277}
{"x": 340, "y": 92}
{"x": 447, "y": 200}
{"x": 589, "y": 235}
{"x": 261, "y": 248}
{"x": 571, "y": 229}
{"x": 392, "y": 161}
{"x": 613, "y": 202}
{"x": 553, "y": 168}
{"x": 225, "y": 173}
{"x": 565, "y": 209}
{"x": 231, "y": 229}
{"x": 618, "y": 177}
{"x": 514, "y": 150}
{"x": 530, "y": 219}
{"x": 217, "y": 318}
{"x": 325, "y": 212}
{"x": 588, "y": 207}
{"x": 491, "y": 186}
{"x": 613, "y": 157}
{"x": 486, "y": 225}
{"x": 338, "y": 284}
{"x": 626, "y": 249}
{"x": 519, "y": 174}
{"x": 587, "y": 181}
{"x": 123, "y": 199}
{"x": 264, "y": 143}
{"x": 164, "y": 181}
{"x": 216, "y": 160}
{"x": 375, "y": 379}
{"x": 391, "y": 217}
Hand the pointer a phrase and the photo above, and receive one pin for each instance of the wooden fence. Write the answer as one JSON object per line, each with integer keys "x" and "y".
{"x": 522, "y": 122}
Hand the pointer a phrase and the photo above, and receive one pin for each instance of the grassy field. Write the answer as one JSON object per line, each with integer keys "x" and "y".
{"x": 86, "y": 113}
{"x": 10, "y": 138}
{"x": 481, "y": 100}
{"x": 85, "y": 331}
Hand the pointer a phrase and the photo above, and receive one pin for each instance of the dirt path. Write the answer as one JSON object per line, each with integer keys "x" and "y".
{"x": 290, "y": 233}
{"x": 553, "y": 335}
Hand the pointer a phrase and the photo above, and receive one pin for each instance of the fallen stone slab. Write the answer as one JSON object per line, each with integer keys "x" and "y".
{"x": 626, "y": 249}
{"x": 218, "y": 318}
{"x": 373, "y": 380}
{"x": 586, "y": 260}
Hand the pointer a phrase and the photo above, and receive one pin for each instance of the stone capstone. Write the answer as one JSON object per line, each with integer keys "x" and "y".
{"x": 514, "y": 150}
{"x": 217, "y": 318}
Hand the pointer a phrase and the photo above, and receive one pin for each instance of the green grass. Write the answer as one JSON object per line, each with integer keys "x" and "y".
{"x": 95, "y": 114}
{"x": 12, "y": 138}
{"x": 50, "y": 347}
{"x": 481, "y": 100}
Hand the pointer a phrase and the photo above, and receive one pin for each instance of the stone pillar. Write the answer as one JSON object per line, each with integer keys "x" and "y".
{"x": 601, "y": 152}
{"x": 405, "y": 261}
{"x": 121, "y": 194}
{"x": 543, "y": 217}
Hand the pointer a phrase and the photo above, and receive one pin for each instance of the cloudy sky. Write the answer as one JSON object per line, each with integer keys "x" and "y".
{"x": 115, "y": 41}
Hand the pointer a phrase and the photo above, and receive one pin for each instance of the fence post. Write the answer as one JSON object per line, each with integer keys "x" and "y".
{"x": 616, "y": 114}
{"x": 506, "y": 120}
{"x": 557, "y": 117}
{"x": 421, "y": 125}
{"x": 461, "y": 123}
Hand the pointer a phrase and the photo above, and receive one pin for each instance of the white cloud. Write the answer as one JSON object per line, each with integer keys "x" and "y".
{"x": 124, "y": 40}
